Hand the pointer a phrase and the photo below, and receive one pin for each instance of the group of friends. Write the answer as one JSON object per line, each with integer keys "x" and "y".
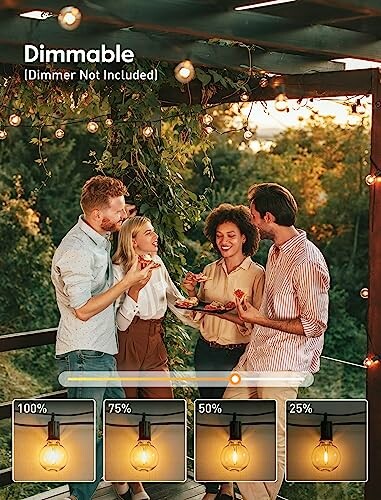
{"x": 112, "y": 308}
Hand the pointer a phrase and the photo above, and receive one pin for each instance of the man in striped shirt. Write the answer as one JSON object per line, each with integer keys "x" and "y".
{"x": 288, "y": 329}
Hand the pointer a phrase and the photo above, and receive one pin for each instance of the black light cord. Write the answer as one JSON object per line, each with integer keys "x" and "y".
{"x": 243, "y": 423}
{"x": 333, "y": 423}
{"x": 61, "y": 424}
{"x": 152, "y": 423}
{"x": 60, "y": 414}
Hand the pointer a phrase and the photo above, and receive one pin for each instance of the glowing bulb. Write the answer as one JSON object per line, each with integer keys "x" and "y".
{"x": 364, "y": 293}
{"x": 144, "y": 456}
{"x": 244, "y": 96}
{"x": 59, "y": 133}
{"x": 53, "y": 455}
{"x": 185, "y": 72}
{"x": 263, "y": 82}
{"x": 361, "y": 110}
{"x": 235, "y": 456}
{"x": 147, "y": 131}
{"x": 247, "y": 134}
{"x": 69, "y": 18}
{"x": 371, "y": 360}
{"x": 109, "y": 122}
{"x": 92, "y": 127}
{"x": 352, "y": 120}
{"x": 326, "y": 456}
{"x": 207, "y": 119}
{"x": 3, "y": 134}
{"x": 209, "y": 130}
{"x": 281, "y": 103}
{"x": 15, "y": 120}
{"x": 370, "y": 179}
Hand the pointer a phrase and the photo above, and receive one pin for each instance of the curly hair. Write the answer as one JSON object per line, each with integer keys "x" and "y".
{"x": 238, "y": 215}
{"x": 98, "y": 190}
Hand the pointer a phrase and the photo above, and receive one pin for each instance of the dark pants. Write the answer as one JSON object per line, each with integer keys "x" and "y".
{"x": 207, "y": 358}
{"x": 88, "y": 361}
{"x": 141, "y": 348}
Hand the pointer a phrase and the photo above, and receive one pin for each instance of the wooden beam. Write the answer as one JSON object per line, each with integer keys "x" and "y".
{"x": 19, "y": 31}
{"x": 372, "y": 487}
{"x": 367, "y": 7}
{"x": 189, "y": 18}
{"x": 246, "y": 27}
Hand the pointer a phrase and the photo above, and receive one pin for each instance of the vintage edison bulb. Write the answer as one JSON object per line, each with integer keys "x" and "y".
{"x": 281, "y": 103}
{"x": 235, "y": 456}
{"x": 185, "y": 72}
{"x": 69, "y": 18}
{"x": 326, "y": 456}
{"x": 53, "y": 455}
{"x": 144, "y": 456}
{"x": 92, "y": 127}
{"x": 370, "y": 179}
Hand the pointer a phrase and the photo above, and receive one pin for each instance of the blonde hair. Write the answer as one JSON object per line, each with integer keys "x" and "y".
{"x": 125, "y": 252}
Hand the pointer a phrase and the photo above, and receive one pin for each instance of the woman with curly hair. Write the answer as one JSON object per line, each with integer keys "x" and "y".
{"x": 224, "y": 337}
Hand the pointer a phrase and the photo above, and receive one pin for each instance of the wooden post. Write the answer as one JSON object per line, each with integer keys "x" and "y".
{"x": 372, "y": 487}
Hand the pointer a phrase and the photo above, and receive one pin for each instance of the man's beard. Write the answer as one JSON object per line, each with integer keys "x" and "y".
{"x": 109, "y": 226}
{"x": 264, "y": 235}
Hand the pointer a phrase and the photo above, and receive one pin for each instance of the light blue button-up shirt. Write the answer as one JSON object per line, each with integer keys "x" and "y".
{"x": 82, "y": 269}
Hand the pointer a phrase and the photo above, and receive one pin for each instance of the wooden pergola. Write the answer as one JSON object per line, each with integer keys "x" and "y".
{"x": 298, "y": 40}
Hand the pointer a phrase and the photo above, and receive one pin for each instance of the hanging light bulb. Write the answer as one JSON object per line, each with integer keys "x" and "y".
{"x": 207, "y": 119}
{"x": 372, "y": 178}
{"x": 147, "y": 131}
{"x": 144, "y": 456}
{"x": 185, "y": 72}
{"x": 235, "y": 456}
{"x": 3, "y": 135}
{"x": 352, "y": 120}
{"x": 281, "y": 103}
{"x": 109, "y": 122}
{"x": 209, "y": 130}
{"x": 69, "y": 18}
{"x": 326, "y": 456}
{"x": 360, "y": 108}
{"x": 364, "y": 293}
{"x": 263, "y": 82}
{"x": 92, "y": 127}
{"x": 15, "y": 120}
{"x": 53, "y": 455}
{"x": 59, "y": 133}
{"x": 244, "y": 96}
{"x": 247, "y": 134}
{"x": 371, "y": 360}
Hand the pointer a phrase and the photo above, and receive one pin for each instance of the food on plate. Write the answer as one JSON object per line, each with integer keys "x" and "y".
{"x": 214, "y": 306}
{"x": 145, "y": 260}
{"x": 188, "y": 302}
{"x": 230, "y": 305}
{"x": 240, "y": 294}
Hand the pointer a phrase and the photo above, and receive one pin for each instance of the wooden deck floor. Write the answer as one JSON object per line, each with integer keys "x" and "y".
{"x": 157, "y": 491}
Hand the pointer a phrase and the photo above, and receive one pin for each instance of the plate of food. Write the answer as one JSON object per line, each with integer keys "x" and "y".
{"x": 193, "y": 304}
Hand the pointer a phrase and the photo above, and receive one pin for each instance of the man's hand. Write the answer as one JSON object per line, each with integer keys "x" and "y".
{"x": 247, "y": 312}
{"x": 135, "y": 275}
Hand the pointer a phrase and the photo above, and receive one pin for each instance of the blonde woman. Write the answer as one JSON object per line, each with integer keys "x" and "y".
{"x": 142, "y": 308}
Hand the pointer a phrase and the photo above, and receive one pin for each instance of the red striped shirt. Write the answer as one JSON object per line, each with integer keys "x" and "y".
{"x": 296, "y": 286}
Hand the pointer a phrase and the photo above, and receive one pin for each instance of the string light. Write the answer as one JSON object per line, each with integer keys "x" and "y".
{"x": 360, "y": 108}
{"x": 109, "y": 122}
{"x": 3, "y": 135}
{"x": 147, "y": 131}
{"x": 92, "y": 127}
{"x": 364, "y": 293}
{"x": 281, "y": 102}
{"x": 371, "y": 360}
{"x": 59, "y": 133}
{"x": 69, "y": 18}
{"x": 326, "y": 456}
{"x": 184, "y": 71}
{"x": 371, "y": 178}
{"x": 244, "y": 96}
{"x": 209, "y": 130}
{"x": 15, "y": 120}
{"x": 144, "y": 456}
{"x": 53, "y": 455}
{"x": 207, "y": 119}
{"x": 247, "y": 134}
{"x": 235, "y": 456}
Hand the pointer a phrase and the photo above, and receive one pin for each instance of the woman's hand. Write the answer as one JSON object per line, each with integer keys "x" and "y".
{"x": 189, "y": 283}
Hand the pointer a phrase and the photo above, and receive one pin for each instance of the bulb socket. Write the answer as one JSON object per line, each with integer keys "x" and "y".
{"x": 326, "y": 430}
{"x": 144, "y": 429}
{"x": 53, "y": 429}
{"x": 235, "y": 429}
